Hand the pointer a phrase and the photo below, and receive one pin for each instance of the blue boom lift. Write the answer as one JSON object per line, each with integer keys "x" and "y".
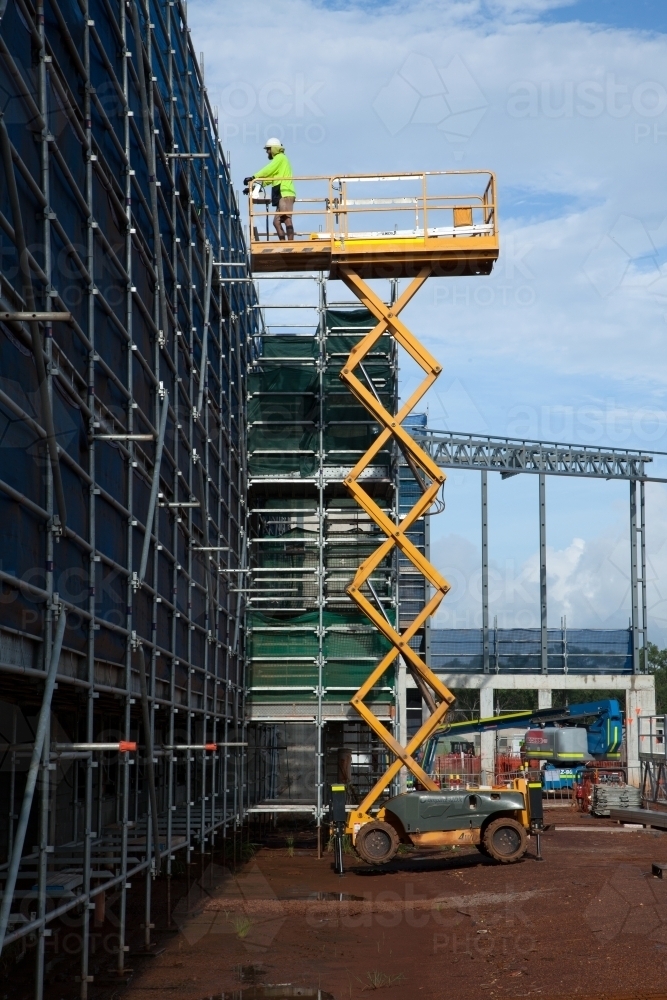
{"x": 575, "y": 734}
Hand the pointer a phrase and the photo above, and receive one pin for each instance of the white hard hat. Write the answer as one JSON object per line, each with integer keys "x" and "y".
{"x": 270, "y": 143}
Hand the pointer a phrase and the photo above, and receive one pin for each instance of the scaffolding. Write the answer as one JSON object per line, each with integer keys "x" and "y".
{"x": 127, "y": 323}
{"x": 309, "y": 647}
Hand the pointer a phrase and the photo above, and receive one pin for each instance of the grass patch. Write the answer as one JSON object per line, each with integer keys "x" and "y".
{"x": 241, "y": 925}
{"x": 377, "y": 980}
{"x": 347, "y": 845}
{"x": 248, "y": 850}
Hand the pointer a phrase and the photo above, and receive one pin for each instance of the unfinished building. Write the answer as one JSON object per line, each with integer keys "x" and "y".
{"x": 126, "y": 334}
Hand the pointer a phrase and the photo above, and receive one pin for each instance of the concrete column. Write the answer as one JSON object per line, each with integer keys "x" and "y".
{"x": 487, "y": 740}
{"x": 638, "y": 703}
{"x": 544, "y": 699}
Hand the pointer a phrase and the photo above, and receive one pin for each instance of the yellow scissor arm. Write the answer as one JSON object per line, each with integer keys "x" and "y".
{"x": 396, "y": 535}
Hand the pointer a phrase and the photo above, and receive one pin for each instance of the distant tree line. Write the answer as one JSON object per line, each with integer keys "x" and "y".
{"x": 656, "y": 661}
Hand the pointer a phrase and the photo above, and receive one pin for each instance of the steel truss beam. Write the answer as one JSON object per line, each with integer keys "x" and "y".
{"x": 511, "y": 457}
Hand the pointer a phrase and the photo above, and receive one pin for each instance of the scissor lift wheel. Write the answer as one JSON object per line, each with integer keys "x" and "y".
{"x": 504, "y": 840}
{"x": 377, "y": 843}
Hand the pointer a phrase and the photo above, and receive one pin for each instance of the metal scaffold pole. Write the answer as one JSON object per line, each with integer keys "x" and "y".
{"x": 31, "y": 778}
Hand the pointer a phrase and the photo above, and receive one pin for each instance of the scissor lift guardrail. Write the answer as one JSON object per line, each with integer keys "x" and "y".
{"x": 383, "y": 225}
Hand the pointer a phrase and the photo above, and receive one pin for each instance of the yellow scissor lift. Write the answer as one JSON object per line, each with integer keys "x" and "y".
{"x": 411, "y": 226}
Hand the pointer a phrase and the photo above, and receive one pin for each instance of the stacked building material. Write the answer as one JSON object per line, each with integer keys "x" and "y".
{"x": 607, "y": 797}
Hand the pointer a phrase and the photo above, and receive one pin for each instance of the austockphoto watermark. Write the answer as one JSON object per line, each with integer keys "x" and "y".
{"x": 389, "y": 909}
{"x": 586, "y": 98}
{"x": 74, "y": 585}
{"x": 244, "y": 904}
{"x": 630, "y": 258}
{"x": 290, "y": 133}
{"x": 67, "y": 937}
{"x": 611, "y": 422}
{"x": 66, "y": 942}
{"x": 511, "y": 286}
{"x": 443, "y": 97}
{"x": 287, "y": 109}
{"x": 483, "y": 944}
{"x": 514, "y": 587}
{"x": 513, "y": 594}
{"x": 484, "y": 295}
{"x": 468, "y": 619}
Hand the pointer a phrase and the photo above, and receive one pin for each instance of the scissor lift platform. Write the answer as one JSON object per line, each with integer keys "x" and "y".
{"x": 383, "y": 226}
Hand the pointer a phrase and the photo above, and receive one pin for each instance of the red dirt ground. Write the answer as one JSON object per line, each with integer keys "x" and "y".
{"x": 588, "y": 922}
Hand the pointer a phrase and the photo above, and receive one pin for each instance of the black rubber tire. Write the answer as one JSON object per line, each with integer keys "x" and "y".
{"x": 377, "y": 843}
{"x": 505, "y": 840}
{"x": 482, "y": 850}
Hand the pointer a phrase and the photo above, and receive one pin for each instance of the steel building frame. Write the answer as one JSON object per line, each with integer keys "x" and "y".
{"x": 132, "y": 297}
{"x": 512, "y": 457}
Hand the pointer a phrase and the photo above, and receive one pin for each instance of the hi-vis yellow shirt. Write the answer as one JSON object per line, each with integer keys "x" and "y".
{"x": 279, "y": 170}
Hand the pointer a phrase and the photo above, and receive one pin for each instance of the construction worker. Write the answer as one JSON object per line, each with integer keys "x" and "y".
{"x": 283, "y": 193}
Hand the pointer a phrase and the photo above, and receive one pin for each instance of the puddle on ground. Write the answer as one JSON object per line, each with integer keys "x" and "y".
{"x": 251, "y": 973}
{"x": 257, "y": 974}
{"x": 277, "y": 992}
{"x": 319, "y": 897}
{"x": 264, "y": 992}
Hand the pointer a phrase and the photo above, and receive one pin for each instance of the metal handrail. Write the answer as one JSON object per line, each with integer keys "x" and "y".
{"x": 336, "y": 211}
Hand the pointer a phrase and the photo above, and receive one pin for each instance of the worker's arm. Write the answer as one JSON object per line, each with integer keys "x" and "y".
{"x": 270, "y": 169}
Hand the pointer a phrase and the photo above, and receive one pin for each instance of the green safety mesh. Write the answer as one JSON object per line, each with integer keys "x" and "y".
{"x": 284, "y": 650}
{"x": 287, "y": 381}
{"x": 288, "y": 347}
{"x": 346, "y": 318}
{"x": 284, "y": 438}
{"x": 284, "y": 400}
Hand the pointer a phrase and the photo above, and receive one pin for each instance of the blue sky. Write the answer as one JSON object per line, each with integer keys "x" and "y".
{"x": 567, "y": 103}
{"x": 637, "y": 15}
